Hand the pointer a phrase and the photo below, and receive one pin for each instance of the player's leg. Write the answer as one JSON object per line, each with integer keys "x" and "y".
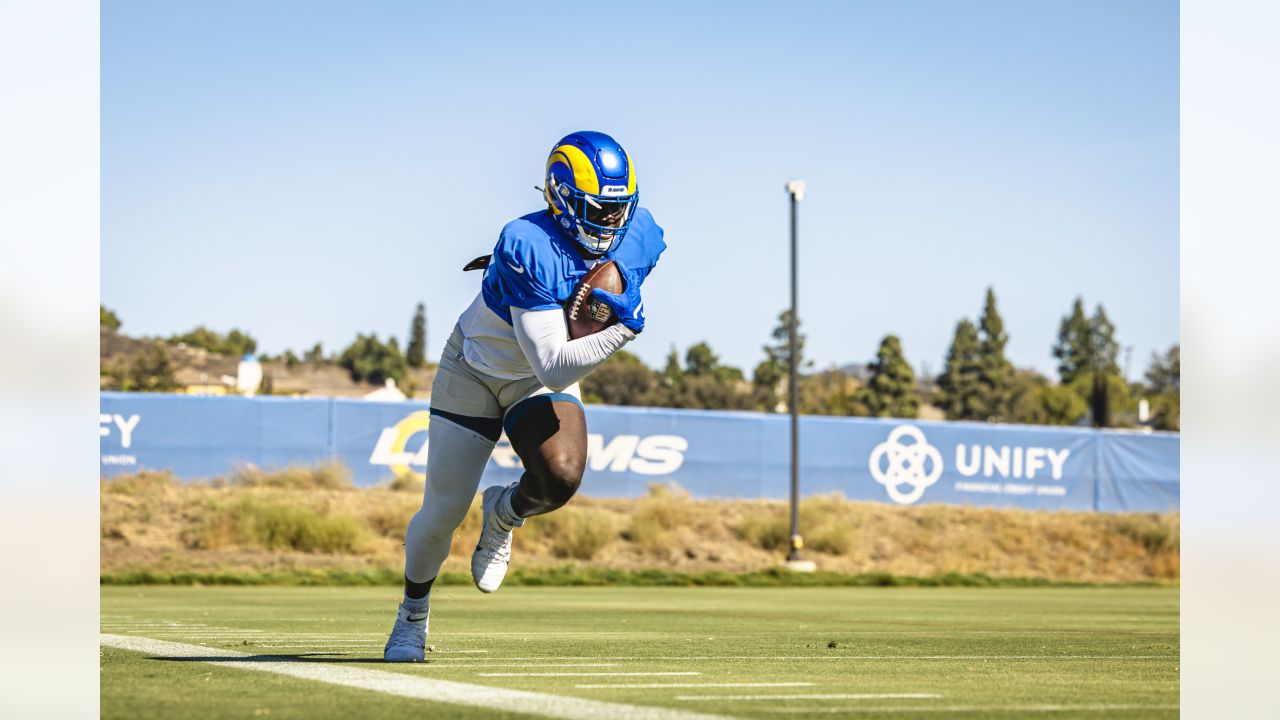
{"x": 549, "y": 433}
{"x": 458, "y": 454}
{"x": 550, "y": 436}
{"x": 459, "y": 447}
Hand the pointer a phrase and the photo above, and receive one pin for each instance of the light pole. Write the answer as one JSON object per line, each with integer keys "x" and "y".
{"x": 795, "y": 188}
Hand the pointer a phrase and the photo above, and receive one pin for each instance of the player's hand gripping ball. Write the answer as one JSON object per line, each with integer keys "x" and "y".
{"x": 627, "y": 305}
{"x": 587, "y": 314}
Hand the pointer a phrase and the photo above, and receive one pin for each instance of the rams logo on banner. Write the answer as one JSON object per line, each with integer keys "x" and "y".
{"x": 393, "y": 446}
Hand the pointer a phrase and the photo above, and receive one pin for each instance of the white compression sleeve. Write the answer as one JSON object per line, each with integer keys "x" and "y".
{"x": 558, "y": 361}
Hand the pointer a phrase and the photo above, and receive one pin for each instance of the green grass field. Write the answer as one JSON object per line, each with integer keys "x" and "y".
{"x": 741, "y": 652}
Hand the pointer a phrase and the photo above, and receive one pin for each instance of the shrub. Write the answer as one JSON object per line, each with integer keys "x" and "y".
{"x": 767, "y": 527}
{"x": 648, "y": 533}
{"x": 578, "y": 533}
{"x": 326, "y": 476}
{"x": 147, "y": 482}
{"x": 656, "y": 517}
{"x": 1152, "y": 530}
{"x": 252, "y": 522}
{"x": 407, "y": 482}
{"x": 831, "y": 539}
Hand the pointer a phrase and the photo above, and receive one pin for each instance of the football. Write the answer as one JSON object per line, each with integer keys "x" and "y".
{"x": 585, "y": 314}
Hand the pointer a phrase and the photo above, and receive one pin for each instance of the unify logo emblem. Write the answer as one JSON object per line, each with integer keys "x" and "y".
{"x": 917, "y": 465}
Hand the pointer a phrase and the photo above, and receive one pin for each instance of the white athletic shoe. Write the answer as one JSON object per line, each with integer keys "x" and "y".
{"x": 493, "y": 551}
{"x": 408, "y": 641}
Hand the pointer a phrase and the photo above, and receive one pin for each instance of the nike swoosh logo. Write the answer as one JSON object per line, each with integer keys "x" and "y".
{"x": 416, "y": 618}
{"x": 517, "y": 268}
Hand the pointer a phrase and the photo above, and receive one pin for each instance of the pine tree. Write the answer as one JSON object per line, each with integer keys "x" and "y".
{"x": 1105, "y": 351}
{"x": 774, "y": 368}
{"x": 1087, "y": 353}
{"x": 891, "y": 391}
{"x": 960, "y": 381}
{"x": 1164, "y": 382}
{"x": 995, "y": 371}
{"x": 1074, "y": 348}
{"x": 416, "y": 353}
{"x": 672, "y": 373}
{"x": 1106, "y": 384}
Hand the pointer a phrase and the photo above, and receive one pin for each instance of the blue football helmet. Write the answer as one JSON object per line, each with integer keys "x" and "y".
{"x": 591, "y": 190}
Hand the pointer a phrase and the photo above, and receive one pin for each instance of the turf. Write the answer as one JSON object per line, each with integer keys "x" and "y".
{"x": 985, "y": 652}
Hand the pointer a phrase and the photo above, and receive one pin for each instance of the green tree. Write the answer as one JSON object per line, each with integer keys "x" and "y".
{"x": 624, "y": 380}
{"x": 672, "y": 373}
{"x": 1164, "y": 384}
{"x": 960, "y": 384}
{"x": 1036, "y": 401}
{"x": 290, "y": 359}
{"x": 108, "y": 319}
{"x": 1074, "y": 347}
{"x": 891, "y": 390}
{"x": 1087, "y": 353}
{"x": 151, "y": 371}
{"x": 315, "y": 354}
{"x": 416, "y": 354}
{"x": 832, "y": 392}
{"x": 702, "y": 383}
{"x": 1107, "y": 388}
{"x": 770, "y": 373}
{"x": 995, "y": 372}
{"x": 701, "y": 361}
{"x": 369, "y": 360}
{"x": 234, "y": 343}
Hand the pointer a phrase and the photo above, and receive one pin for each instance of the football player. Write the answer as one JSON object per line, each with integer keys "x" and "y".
{"x": 509, "y": 365}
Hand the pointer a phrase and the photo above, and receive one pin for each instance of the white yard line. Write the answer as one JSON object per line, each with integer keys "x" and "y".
{"x": 585, "y": 674}
{"x": 452, "y": 666}
{"x": 693, "y": 685}
{"x": 816, "y": 696}
{"x": 411, "y": 686}
{"x": 861, "y": 657}
{"x": 913, "y": 709}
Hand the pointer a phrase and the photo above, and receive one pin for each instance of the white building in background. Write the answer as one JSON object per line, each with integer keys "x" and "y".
{"x": 249, "y": 375}
{"x": 387, "y": 393}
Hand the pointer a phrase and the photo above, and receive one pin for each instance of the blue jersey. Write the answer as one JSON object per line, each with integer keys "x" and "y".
{"x": 535, "y": 267}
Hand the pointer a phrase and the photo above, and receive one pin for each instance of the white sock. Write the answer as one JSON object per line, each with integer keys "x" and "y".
{"x": 507, "y": 517}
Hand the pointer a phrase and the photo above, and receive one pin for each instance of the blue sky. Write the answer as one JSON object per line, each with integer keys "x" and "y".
{"x": 310, "y": 170}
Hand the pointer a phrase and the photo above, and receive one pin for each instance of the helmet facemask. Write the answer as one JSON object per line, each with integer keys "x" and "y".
{"x": 596, "y": 222}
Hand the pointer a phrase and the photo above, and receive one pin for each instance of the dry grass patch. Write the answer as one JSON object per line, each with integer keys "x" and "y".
{"x": 315, "y": 520}
{"x": 576, "y": 533}
{"x": 251, "y": 521}
{"x": 327, "y": 476}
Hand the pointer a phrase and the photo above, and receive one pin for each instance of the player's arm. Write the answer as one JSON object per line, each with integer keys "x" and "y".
{"x": 558, "y": 361}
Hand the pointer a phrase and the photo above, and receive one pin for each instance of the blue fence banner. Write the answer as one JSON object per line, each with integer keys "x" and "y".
{"x": 711, "y": 454}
